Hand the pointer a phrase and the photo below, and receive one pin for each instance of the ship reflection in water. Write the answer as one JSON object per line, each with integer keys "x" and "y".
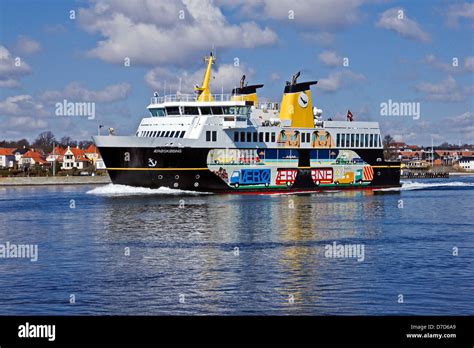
{"x": 164, "y": 253}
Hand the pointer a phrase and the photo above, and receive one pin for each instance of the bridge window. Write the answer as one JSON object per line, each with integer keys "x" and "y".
{"x": 366, "y": 140}
{"x": 347, "y": 140}
{"x": 343, "y": 140}
{"x": 216, "y": 110}
{"x": 236, "y": 136}
{"x": 214, "y": 135}
{"x": 172, "y": 111}
{"x": 249, "y": 137}
{"x": 371, "y": 143}
{"x": 172, "y": 134}
{"x": 267, "y": 137}
{"x": 260, "y": 137}
{"x": 206, "y": 110}
{"x": 255, "y": 137}
{"x": 191, "y": 110}
{"x": 242, "y": 136}
{"x": 352, "y": 140}
{"x": 182, "y": 134}
{"x": 357, "y": 140}
{"x": 338, "y": 140}
{"x": 208, "y": 135}
{"x": 158, "y": 112}
{"x": 273, "y": 137}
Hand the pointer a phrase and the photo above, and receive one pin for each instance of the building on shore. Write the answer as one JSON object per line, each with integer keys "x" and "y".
{"x": 7, "y": 157}
{"x": 467, "y": 163}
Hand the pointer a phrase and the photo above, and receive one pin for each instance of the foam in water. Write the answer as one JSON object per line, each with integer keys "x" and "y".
{"x": 112, "y": 190}
{"x": 414, "y": 185}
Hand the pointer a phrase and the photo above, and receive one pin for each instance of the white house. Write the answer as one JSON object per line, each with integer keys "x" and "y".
{"x": 467, "y": 163}
{"x": 7, "y": 157}
{"x": 74, "y": 158}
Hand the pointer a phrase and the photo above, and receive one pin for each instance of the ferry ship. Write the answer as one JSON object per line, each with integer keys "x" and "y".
{"x": 235, "y": 143}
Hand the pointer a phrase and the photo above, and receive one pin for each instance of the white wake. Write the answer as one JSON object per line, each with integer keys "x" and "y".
{"x": 414, "y": 185}
{"x": 112, "y": 190}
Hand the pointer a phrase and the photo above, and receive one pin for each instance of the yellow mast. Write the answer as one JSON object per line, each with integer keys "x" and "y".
{"x": 205, "y": 90}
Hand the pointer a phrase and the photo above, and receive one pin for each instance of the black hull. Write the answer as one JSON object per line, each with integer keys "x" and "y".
{"x": 187, "y": 169}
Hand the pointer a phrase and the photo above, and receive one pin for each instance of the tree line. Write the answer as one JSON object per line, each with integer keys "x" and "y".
{"x": 45, "y": 142}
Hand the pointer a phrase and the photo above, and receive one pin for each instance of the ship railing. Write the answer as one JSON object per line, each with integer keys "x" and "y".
{"x": 179, "y": 97}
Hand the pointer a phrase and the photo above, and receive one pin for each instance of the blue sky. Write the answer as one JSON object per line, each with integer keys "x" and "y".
{"x": 397, "y": 50}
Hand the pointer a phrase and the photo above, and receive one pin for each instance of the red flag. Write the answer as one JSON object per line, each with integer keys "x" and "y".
{"x": 350, "y": 117}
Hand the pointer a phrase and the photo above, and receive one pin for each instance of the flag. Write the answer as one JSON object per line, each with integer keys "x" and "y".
{"x": 350, "y": 117}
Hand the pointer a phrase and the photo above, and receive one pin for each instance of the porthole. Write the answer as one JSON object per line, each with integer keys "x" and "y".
{"x": 175, "y": 184}
{"x": 197, "y": 176}
{"x": 196, "y": 184}
{"x": 176, "y": 177}
{"x": 160, "y": 177}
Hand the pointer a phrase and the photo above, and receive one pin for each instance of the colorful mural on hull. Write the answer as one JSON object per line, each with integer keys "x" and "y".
{"x": 278, "y": 168}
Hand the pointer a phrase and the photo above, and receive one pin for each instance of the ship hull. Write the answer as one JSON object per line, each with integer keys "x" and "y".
{"x": 250, "y": 170}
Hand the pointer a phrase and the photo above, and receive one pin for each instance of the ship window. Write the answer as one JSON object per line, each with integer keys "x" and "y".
{"x": 236, "y": 136}
{"x": 249, "y": 137}
{"x": 338, "y": 140}
{"x": 380, "y": 143}
{"x": 347, "y": 139}
{"x": 172, "y": 134}
{"x": 366, "y": 144}
{"x": 172, "y": 110}
{"x": 159, "y": 112}
{"x": 267, "y": 137}
{"x": 242, "y": 136}
{"x": 343, "y": 140}
{"x": 167, "y": 134}
{"x": 260, "y": 137}
{"x": 208, "y": 135}
{"x": 216, "y": 110}
{"x": 214, "y": 135}
{"x": 230, "y": 110}
{"x": 273, "y": 137}
{"x": 371, "y": 143}
{"x": 352, "y": 140}
{"x": 191, "y": 110}
{"x": 255, "y": 137}
{"x": 357, "y": 140}
{"x": 243, "y": 110}
{"x": 182, "y": 134}
{"x": 205, "y": 110}
{"x": 362, "y": 140}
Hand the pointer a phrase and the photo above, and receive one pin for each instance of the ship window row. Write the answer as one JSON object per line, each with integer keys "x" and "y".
{"x": 165, "y": 134}
{"x": 254, "y": 137}
{"x": 203, "y": 110}
{"x": 211, "y": 135}
{"x": 358, "y": 140}
{"x": 305, "y": 137}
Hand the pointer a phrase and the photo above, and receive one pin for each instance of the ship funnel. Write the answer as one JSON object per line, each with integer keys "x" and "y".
{"x": 204, "y": 92}
{"x": 297, "y": 105}
{"x": 245, "y": 92}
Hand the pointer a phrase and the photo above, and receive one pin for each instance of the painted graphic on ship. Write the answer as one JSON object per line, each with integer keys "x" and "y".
{"x": 277, "y": 168}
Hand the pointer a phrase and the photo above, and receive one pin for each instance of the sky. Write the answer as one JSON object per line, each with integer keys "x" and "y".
{"x": 115, "y": 54}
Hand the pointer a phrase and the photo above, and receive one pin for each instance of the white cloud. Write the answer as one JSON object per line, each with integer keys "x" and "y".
{"x": 23, "y": 123}
{"x": 337, "y": 80}
{"x": 396, "y": 19}
{"x": 327, "y": 14}
{"x": 10, "y": 70}
{"x": 322, "y": 38}
{"x": 226, "y": 75}
{"x": 151, "y": 31}
{"x": 21, "y": 105}
{"x": 459, "y": 11}
{"x": 75, "y": 92}
{"x": 330, "y": 58}
{"x": 25, "y": 45}
{"x": 469, "y": 64}
{"x": 444, "y": 91}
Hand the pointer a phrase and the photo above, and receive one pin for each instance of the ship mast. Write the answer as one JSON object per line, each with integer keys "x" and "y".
{"x": 205, "y": 90}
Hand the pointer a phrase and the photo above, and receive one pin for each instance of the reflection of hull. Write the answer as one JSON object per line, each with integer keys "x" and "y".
{"x": 192, "y": 169}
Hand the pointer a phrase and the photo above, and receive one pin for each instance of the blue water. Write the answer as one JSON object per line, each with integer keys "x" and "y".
{"x": 182, "y": 247}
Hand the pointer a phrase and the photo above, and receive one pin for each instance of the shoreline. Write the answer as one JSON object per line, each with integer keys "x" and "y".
{"x": 54, "y": 180}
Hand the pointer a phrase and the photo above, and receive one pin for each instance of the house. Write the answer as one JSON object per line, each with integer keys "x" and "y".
{"x": 74, "y": 157}
{"x": 467, "y": 163}
{"x": 7, "y": 157}
{"x": 31, "y": 158}
{"x": 94, "y": 155}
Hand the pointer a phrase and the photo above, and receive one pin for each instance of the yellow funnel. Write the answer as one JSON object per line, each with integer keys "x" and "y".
{"x": 297, "y": 104}
{"x": 246, "y": 93}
